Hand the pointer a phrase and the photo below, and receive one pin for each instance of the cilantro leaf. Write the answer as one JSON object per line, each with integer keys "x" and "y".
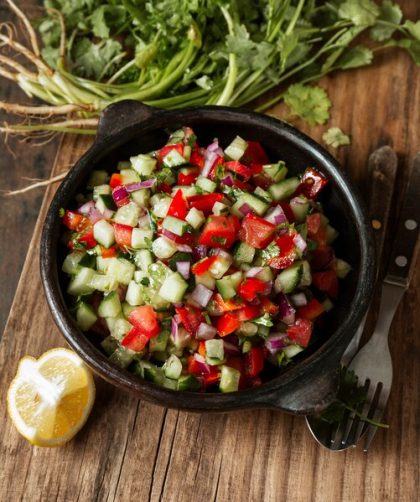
{"x": 90, "y": 59}
{"x": 355, "y": 57}
{"x": 390, "y": 13}
{"x": 413, "y": 29}
{"x": 264, "y": 320}
{"x": 335, "y": 137}
{"x": 359, "y": 12}
{"x": 311, "y": 103}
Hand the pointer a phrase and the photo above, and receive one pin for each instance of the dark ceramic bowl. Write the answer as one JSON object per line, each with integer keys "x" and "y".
{"x": 128, "y": 128}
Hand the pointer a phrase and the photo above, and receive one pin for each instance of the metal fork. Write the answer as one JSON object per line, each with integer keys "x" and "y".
{"x": 373, "y": 363}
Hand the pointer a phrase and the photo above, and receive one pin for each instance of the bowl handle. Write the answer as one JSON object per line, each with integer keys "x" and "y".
{"x": 118, "y": 116}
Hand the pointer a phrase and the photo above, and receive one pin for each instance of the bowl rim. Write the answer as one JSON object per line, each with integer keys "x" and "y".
{"x": 330, "y": 351}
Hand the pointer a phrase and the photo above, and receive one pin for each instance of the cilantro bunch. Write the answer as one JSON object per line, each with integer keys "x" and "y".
{"x": 177, "y": 53}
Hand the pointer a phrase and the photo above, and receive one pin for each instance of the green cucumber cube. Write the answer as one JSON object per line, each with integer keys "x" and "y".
{"x": 143, "y": 164}
{"x": 140, "y": 238}
{"x": 103, "y": 232}
{"x": 173, "y": 288}
{"x": 80, "y": 284}
{"x": 128, "y": 214}
{"x": 229, "y": 379}
{"x": 85, "y": 316}
{"x": 110, "y": 306}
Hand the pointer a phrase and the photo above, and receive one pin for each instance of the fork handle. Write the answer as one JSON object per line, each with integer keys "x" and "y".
{"x": 390, "y": 299}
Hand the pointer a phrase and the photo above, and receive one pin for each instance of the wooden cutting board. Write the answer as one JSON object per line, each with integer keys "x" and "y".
{"x": 132, "y": 450}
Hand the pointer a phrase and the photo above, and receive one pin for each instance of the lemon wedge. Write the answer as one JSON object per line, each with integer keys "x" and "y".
{"x": 50, "y": 399}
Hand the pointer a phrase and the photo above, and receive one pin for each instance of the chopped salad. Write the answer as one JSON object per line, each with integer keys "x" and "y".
{"x": 199, "y": 268}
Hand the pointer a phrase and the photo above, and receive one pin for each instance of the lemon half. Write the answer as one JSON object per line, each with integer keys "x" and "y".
{"x": 51, "y": 398}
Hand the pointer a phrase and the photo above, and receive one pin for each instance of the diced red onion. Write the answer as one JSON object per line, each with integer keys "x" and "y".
{"x": 245, "y": 209}
{"x": 177, "y": 317}
{"x": 228, "y": 180}
{"x": 107, "y": 213}
{"x": 210, "y": 158}
{"x": 299, "y": 299}
{"x": 169, "y": 234}
{"x": 252, "y": 272}
{"x": 144, "y": 221}
{"x": 121, "y": 291}
{"x": 300, "y": 242}
{"x": 276, "y": 216}
{"x": 86, "y": 207}
{"x": 183, "y": 268}
{"x": 119, "y": 193}
{"x": 95, "y": 215}
{"x": 201, "y": 295}
{"x": 199, "y": 252}
{"x": 275, "y": 342}
{"x": 184, "y": 248}
{"x": 174, "y": 327}
{"x": 132, "y": 187}
{"x": 203, "y": 366}
{"x": 206, "y": 331}
{"x": 214, "y": 147}
{"x": 222, "y": 253}
{"x": 230, "y": 348}
{"x": 286, "y": 311}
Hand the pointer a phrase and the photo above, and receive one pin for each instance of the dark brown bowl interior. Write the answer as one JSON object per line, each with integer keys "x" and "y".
{"x": 143, "y": 130}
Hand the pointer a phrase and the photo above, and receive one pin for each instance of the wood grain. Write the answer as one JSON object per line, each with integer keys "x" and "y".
{"x": 132, "y": 450}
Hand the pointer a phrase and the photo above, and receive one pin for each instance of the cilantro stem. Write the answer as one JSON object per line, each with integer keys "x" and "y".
{"x": 364, "y": 418}
{"x": 295, "y": 17}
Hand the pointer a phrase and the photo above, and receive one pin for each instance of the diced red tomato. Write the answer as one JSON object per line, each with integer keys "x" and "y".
{"x": 205, "y": 202}
{"x": 202, "y": 266}
{"x": 108, "y": 253}
{"x": 197, "y": 159}
{"x": 187, "y": 238}
{"x": 116, "y": 180}
{"x": 238, "y": 168}
{"x": 320, "y": 237}
{"x": 300, "y": 332}
{"x": 193, "y": 366}
{"x": 75, "y": 221}
{"x": 255, "y": 154}
{"x": 256, "y": 231}
{"x": 187, "y": 179}
{"x": 313, "y": 222}
{"x": 218, "y": 168}
{"x": 219, "y": 231}
{"x": 254, "y": 361}
{"x": 88, "y": 238}
{"x": 287, "y": 211}
{"x": 202, "y": 348}
{"x": 211, "y": 378}
{"x": 225, "y": 305}
{"x": 268, "y": 307}
{"x": 261, "y": 181}
{"x": 287, "y": 253}
{"x": 327, "y": 282}
{"x": 248, "y": 312}
{"x": 312, "y": 183}
{"x": 250, "y": 287}
{"x": 144, "y": 318}
{"x": 163, "y": 152}
{"x": 322, "y": 258}
{"x": 227, "y": 324}
{"x": 123, "y": 234}
{"x": 135, "y": 340}
{"x": 191, "y": 318}
{"x": 179, "y": 206}
{"x": 311, "y": 311}
{"x": 165, "y": 187}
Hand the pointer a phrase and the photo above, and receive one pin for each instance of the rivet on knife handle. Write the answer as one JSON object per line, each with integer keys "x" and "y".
{"x": 407, "y": 232}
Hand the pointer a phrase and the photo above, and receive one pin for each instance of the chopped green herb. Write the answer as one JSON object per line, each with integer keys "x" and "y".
{"x": 335, "y": 137}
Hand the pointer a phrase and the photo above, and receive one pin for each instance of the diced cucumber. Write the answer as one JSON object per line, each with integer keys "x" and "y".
{"x": 158, "y": 272}
{"x": 276, "y": 172}
{"x": 292, "y": 350}
{"x": 127, "y": 308}
{"x": 188, "y": 383}
{"x": 129, "y": 176}
{"x": 247, "y": 329}
{"x": 110, "y": 306}
{"x": 289, "y": 278}
{"x": 104, "y": 202}
{"x": 71, "y": 263}
{"x": 256, "y": 204}
{"x": 173, "y": 288}
{"x": 220, "y": 208}
{"x": 163, "y": 248}
{"x": 306, "y": 279}
{"x": 246, "y": 346}
{"x": 220, "y": 266}
{"x": 262, "y": 194}
{"x": 284, "y": 189}
{"x": 121, "y": 269}
{"x": 168, "y": 383}
{"x": 120, "y": 328}
{"x": 160, "y": 204}
{"x": 175, "y": 225}
{"x": 98, "y": 177}
{"x": 139, "y": 238}
{"x": 174, "y": 159}
{"x": 103, "y": 232}
{"x": 101, "y": 190}
{"x": 109, "y": 344}
{"x": 158, "y": 343}
{"x": 236, "y": 149}
{"x": 143, "y": 259}
{"x": 104, "y": 283}
{"x": 183, "y": 338}
{"x": 331, "y": 234}
{"x": 195, "y": 218}
{"x": 135, "y": 294}
{"x": 128, "y": 214}
{"x": 85, "y": 316}
{"x": 215, "y": 349}
{"x": 300, "y": 207}
{"x": 143, "y": 164}
{"x": 342, "y": 268}
{"x": 187, "y": 152}
{"x": 206, "y": 184}
{"x": 172, "y": 367}
{"x": 263, "y": 331}
{"x": 80, "y": 284}
{"x": 123, "y": 164}
{"x": 327, "y": 304}
{"x": 206, "y": 279}
{"x": 122, "y": 357}
{"x": 228, "y": 285}
{"x": 229, "y": 379}
{"x": 244, "y": 253}
{"x": 141, "y": 197}
{"x": 265, "y": 275}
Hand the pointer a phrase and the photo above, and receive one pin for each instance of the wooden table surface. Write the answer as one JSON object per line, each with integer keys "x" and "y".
{"x": 132, "y": 450}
